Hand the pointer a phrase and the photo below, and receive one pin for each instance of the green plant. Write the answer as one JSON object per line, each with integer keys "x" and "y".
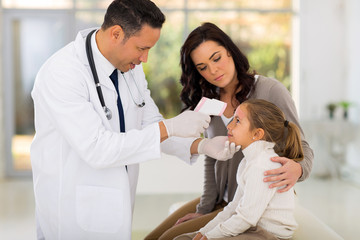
{"x": 331, "y": 107}
{"x": 345, "y": 104}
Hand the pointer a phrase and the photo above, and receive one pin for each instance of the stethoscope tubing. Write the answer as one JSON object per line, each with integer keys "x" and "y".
{"x": 93, "y": 68}
{"x": 90, "y": 58}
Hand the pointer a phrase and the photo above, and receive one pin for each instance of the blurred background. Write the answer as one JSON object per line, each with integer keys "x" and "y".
{"x": 311, "y": 46}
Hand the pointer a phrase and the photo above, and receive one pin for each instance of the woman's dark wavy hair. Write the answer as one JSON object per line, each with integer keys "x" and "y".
{"x": 194, "y": 85}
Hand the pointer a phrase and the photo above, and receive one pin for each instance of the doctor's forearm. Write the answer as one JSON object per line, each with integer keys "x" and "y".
{"x": 164, "y": 136}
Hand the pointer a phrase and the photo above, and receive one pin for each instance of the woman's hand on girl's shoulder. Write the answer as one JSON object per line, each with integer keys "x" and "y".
{"x": 285, "y": 176}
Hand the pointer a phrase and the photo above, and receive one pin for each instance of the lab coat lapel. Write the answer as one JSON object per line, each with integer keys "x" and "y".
{"x": 103, "y": 75}
{"x": 80, "y": 49}
{"x": 107, "y": 87}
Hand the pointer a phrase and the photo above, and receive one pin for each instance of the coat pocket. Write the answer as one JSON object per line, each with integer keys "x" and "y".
{"x": 100, "y": 209}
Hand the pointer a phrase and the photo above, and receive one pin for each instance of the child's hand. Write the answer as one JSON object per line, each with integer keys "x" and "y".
{"x": 199, "y": 236}
{"x": 285, "y": 176}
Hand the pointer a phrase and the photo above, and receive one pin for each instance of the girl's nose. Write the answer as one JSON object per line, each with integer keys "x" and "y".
{"x": 229, "y": 124}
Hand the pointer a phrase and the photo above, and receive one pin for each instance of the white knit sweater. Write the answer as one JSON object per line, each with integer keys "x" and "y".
{"x": 254, "y": 202}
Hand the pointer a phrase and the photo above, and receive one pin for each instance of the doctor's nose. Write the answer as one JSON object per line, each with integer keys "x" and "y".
{"x": 144, "y": 56}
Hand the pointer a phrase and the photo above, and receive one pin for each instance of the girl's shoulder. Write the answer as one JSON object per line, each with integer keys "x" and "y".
{"x": 259, "y": 154}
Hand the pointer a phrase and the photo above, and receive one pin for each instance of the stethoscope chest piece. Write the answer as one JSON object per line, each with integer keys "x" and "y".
{"x": 108, "y": 113}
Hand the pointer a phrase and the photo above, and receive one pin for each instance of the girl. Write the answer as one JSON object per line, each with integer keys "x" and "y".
{"x": 257, "y": 211}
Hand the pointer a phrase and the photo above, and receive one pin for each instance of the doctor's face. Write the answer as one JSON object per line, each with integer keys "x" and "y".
{"x": 134, "y": 50}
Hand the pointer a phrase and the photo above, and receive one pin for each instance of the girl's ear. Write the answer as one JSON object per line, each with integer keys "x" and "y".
{"x": 259, "y": 134}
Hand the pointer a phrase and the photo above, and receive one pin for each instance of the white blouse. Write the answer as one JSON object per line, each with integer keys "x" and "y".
{"x": 254, "y": 202}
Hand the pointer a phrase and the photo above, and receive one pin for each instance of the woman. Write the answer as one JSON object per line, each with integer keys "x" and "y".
{"x": 214, "y": 67}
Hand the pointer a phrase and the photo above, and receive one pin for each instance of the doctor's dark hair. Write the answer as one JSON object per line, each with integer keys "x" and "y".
{"x": 131, "y": 15}
{"x": 194, "y": 85}
{"x": 286, "y": 135}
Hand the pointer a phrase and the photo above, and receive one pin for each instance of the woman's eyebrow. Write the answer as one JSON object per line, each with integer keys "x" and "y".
{"x": 209, "y": 58}
{"x": 213, "y": 55}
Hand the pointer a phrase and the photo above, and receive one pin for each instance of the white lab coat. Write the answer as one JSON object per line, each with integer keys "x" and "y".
{"x": 82, "y": 188}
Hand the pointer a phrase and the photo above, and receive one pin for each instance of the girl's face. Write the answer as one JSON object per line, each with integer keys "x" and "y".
{"x": 239, "y": 128}
{"x": 215, "y": 64}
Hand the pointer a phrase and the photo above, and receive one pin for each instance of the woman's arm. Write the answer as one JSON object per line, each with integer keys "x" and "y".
{"x": 209, "y": 196}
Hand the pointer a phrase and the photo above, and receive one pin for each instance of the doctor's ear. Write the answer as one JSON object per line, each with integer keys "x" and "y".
{"x": 117, "y": 33}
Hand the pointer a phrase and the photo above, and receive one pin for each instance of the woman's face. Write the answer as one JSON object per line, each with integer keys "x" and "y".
{"x": 215, "y": 64}
{"x": 239, "y": 128}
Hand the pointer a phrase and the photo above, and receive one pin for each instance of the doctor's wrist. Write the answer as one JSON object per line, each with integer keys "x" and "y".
{"x": 194, "y": 146}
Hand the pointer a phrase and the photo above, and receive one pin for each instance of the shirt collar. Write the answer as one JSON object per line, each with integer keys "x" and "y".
{"x": 106, "y": 66}
{"x": 256, "y": 147}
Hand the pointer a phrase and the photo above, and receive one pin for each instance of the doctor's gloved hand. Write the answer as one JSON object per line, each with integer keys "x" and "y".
{"x": 218, "y": 148}
{"x": 187, "y": 124}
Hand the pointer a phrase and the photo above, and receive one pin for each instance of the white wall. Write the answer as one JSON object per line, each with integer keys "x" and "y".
{"x": 171, "y": 175}
{"x": 352, "y": 61}
{"x": 2, "y": 123}
{"x": 329, "y": 56}
{"x": 353, "y": 87}
{"x": 330, "y": 68}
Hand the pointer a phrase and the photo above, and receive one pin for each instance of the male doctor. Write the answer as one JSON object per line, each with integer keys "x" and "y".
{"x": 85, "y": 159}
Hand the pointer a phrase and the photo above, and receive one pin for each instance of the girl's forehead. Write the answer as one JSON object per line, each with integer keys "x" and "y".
{"x": 240, "y": 111}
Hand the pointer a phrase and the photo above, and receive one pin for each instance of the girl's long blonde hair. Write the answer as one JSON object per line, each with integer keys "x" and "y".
{"x": 285, "y": 134}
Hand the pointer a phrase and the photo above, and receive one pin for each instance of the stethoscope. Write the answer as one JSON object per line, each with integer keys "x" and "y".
{"x": 96, "y": 79}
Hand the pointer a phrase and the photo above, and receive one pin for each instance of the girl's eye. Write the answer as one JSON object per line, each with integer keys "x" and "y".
{"x": 217, "y": 59}
{"x": 237, "y": 120}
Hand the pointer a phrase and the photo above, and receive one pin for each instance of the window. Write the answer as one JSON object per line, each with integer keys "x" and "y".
{"x": 25, "y": 52}
{"x": 34, "y": 30}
